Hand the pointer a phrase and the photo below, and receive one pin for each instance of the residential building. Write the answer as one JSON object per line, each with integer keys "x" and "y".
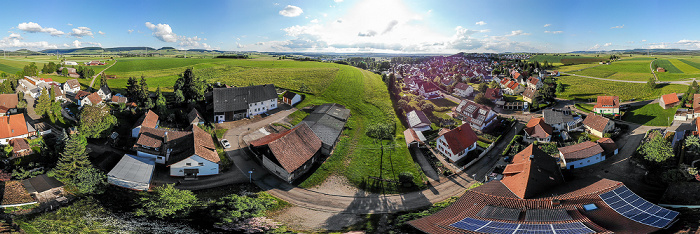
{"x": 70, "y": 63}
{"x": 133, "y": 172}
{"x": 190, "y": 153}
{"x": 598, "y": 125}
{"x": 463, "y": 90}
{"x": 696, "y": 105}
{"x": 561, "y": 119}
{"x": 28, "y": 88}
{"x": 243, "y": 102}
{"x": 493, "y": 94}
{"x": 538, "y": 130}
{"x": 418, "y": 121}
{"x": 413, "y": 138}
{"x": 429, "y": 90}
{"x": 8, "y": 104}
{"x": 14, "y": 126}
{"x": 478, "y": 116}
{"x": 456, "y": 143}
{"x": 105, "y": 93}
{"x": 582, "y": 154}
{"x": 608, "y": 145}
{"x": 119, "y": 99}
{"x": 534, "y": 83}
{"x": 683, "y": 114}
{"x": 607, "y": 105}
{"x": 669, "y": 100}
{"x": 194, "y": 118}
{"x": 532, "y": 196}
{"x": 291, "y": 98}
{"x": 57, "y": 93}
{"x": 20, "y": 147}
{"x": 530, "y": 95}
{"x": 91, "y": 99}
{"x": 71, "y": 87}
{"x": 327, "y": 121}
{"x": 290, "y": 154}
{"x": 71, "y": 72}
{"x": 148, "y": 120}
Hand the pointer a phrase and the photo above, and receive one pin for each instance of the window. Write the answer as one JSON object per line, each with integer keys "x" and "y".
{"x": 201, "y": 164}
{"x": 188, "y": 164}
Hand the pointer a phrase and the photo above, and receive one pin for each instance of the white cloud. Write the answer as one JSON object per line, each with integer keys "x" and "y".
{"x": 619, "y": 26}
{"x": 658, "y": 46}
{"x": 14, "y": 40}
{"x": 644, "y": 40}
{"x": 69, "y": 24}
{"x": 101, "y": 33}
{"x": 517, "y": 33}
{"x": 32, "y": 27}
{"x": 291, "y": 11}
{"x": 315, "y": 21}
{"x": 260, "y": 43}
{"x": 162, "y": 31}
{"x": 338, "y": 1}
{"x": 595, "y": 47}
{"x": 238, "y": 45}
{"x": 607, "y": 44}
{"x": 547, "y": 25}
{"x": 15, "y": 36}
{"x": 481, "y": 23}
{"x": 686, "y": 42}
{"x": 130, "y": 31}
{"x": 554, "y": 32}
{"x": 80, "y": 32}
{"x": 77, "y": 44}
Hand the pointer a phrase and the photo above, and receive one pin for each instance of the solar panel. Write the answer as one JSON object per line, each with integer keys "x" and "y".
{"x": 483, "y": 226}
{"x": 628, "y": 204}
{"x": 502, "y": 213}
{"x": 547, "y": 215}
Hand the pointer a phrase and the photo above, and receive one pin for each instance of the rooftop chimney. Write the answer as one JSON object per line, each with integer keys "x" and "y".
{"x": 532, "y": 157}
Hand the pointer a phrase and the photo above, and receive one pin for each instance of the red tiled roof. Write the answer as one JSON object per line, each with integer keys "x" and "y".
{"x": 607, "y": 102}
{"x": 513, "y": 85}
{"x": 581, "y": 150}
{"x": 532, "y": 172}
{"x": 149, "y": 120}
{"x": 429, "y": 87}
{"x": 73, "y": 84}
{"x": 292, "y": 148}
{"x": 204, "y": 145}
{"x": 536, "y": 127}
{"x": 516, "y": 75}
{"x": 119, "y": 99}
{"x": 19, "y": 144}
{"x": 57, "y": 92}
{"x": 460, "y": 138}
{"x": 530, "y": 93}
{"x": 12, "y": 126}
{"x": 493, "y": 94}
{"x": 94, "y": 98}
{"x": 462, "y": 86}
{"x": 533, "y": 80}
{"x": 696, "y": 103}
{"x": 8, "y": 101}
{"x": 596, "y": 122}
{"x": 670, "y": 98}
{"x": 81, "y": 94}
{"x": 607, "y": 144}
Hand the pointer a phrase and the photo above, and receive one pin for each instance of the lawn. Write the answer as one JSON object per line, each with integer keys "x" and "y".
{"x": 583, "y": 89}
{"x": 651, "y": 115}
{"x": 584, "y": 107}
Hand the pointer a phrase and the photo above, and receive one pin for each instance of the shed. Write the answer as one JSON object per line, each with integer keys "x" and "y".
{"x": 132, "y": 172}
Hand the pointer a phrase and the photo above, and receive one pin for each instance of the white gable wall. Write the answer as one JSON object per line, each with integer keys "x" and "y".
{"x": 206, "y": 168}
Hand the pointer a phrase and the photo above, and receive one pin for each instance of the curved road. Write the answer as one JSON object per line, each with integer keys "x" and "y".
{"x": 98, "y": 74}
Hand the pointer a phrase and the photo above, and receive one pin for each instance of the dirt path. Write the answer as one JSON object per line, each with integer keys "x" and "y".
{"x": 98, "y": 74}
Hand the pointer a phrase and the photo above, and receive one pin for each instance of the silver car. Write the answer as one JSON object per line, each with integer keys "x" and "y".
{"x": 225, "y": 144}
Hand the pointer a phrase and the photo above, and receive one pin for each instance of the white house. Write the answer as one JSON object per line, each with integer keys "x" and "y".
{"x": 534, "y": 83}
{"x": 582, "y": 154}
{"x": 71, "y": 87}
{"x": 70, "y": 63}
{"x": 463, "y": 90}
{"x": 14, "y": 126}
{"x": 91, "y": 99}
{"x": 105, "y": 93}
{"x": 57, "y": 93}
{"x": 429, "y": 90}
{"x": 607, "y": 105}
{"x": 598, "y": 125}
{"x": 456, "y": 143}
{"x": 243, "y": 102}
{"x": 291, "y": 98}
{"x": 188, "y": 153}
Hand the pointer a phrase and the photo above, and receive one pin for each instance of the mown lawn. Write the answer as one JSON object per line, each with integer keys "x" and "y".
{"x": 584, "y": 107}
{"x": 583, "y": 89}
{"x": 651, "y": 115}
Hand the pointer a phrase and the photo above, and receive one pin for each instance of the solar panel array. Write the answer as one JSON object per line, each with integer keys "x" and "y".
{"x": 502, "y": 213}
{"x": 484, "y": 226}
{"x": 547, "y": 215}
{"x": 628, "y": 204}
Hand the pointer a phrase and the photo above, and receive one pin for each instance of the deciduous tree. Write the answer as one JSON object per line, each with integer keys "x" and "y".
{"x": 96, "y": 121}
{"x": 657, "y": 149}
{"x": 166, "y": 201}
{"x": 43, "y": 104}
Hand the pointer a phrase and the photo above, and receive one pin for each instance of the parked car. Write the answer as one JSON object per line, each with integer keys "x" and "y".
{"x": 225, "y": 144}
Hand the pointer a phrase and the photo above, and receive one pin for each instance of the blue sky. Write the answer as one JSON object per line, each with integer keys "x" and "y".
{"x": 405, "y": 26}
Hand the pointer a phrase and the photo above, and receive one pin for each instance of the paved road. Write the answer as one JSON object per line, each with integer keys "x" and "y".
{"x": 485, "y": 165}
{"x": 424, "y": 164}
{"x": 98, "y": 74}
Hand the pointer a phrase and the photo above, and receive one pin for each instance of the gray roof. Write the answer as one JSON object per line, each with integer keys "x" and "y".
{"x": 134, "y": 168}
{"x": 552, "y": 116}
{"x": 327, "y": 122}
{"x": 105, "y": 89}
{"x": 41, "y": 183}
{"x": 417, "y": 119}
{"x": 238, "y": 98}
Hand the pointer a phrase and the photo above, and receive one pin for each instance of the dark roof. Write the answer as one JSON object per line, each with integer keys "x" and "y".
{"x": 417, "y": 119}
{"x": 289, "y": 94}
{"x": 183, "y": 144}
{"x": 581, "y": 150}
{"x": 596, "y": 122}
{"x": 327, "y": 122}
{"x": 19, "y": 144}
{"x": 293, "y": 148}
{"x": 460, "y": 138}
{"x": 105, "y": 89}
{"x": 194, "y": 115}
{"x": 41, "y": 183}
{"x": 493, "y": 94}
{"x": 552, "y": 117}
{"x": 607, "y": 144}
{"x": 81, "y": 94}
{"x": 238, "y": 98}
{"x": 134, "y": 168}
{"x": 335, "y": 110}
{"x": 530, "y": 93}
{"x": 532, "y": 172}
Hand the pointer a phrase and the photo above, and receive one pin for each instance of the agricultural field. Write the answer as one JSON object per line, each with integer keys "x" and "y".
{"x": 638, "y": 69}
{"x": 568, "y": 59}
{"x": 583, "y": 89}
{"x": 668, "y": 65}
{"x": 650, "y": 115}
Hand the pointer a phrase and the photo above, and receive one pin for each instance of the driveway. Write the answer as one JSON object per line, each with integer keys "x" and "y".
{"x": 424, "y": 164}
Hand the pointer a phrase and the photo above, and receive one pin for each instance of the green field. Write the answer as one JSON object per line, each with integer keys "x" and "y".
{"x": 583, "y": 89}
{"x": 567, "y": 59}
{"x": 638, "y": 69}
{"x": 650, "y": 114}
{"x": 584, "y": 107}
{"x": 684, "y": 67}
{"x": 691, "y": 63}
{"x": 668, "y": 65}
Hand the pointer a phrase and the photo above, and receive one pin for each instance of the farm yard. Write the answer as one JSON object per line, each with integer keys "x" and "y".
{"x": 584, "y": 89}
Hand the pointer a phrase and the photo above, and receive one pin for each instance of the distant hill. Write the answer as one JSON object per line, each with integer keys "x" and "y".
{"x": 642, "y": 51}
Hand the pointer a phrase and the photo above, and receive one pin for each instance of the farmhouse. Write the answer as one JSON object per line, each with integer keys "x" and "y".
{"x": 291, "y": 98}
{"x": 132, "y": 172}
{"x": 289, "y": 154}
{"x": 429, "y": 90}
{"x": 14, "y": 126}
{"x": 418, "y": 121}
{"x": 660, "y": 69}
{"x": 463, "y": 90}
{"x": 327, "y": 121}
{"x": 194, "y": 118}
{"x": 582, "y": 154}
{"x": 148, "y": 120}
{"x": 456, "y": 143}
{"x": 8, "y": 104}
{"x": 561, "y": 120}
{"x": 530, "y": 95}
{"x": 243, "y": 102}
{"x": 598, "y": 125}
{"x": 71, "y": 87}
{"x": 533, "y": 196}
{"x": 607, "y": 105}
{"x": 477, "y": 115}
{"x": 91, "y": 99}
{"x": 119, "y": 99}
{"x": 669, "y": 100}
{"x": 538, "y": 130}
{"x": 105, "y": 93}
{"x": 189, "y": 153}
{"x": 71, "y": 72}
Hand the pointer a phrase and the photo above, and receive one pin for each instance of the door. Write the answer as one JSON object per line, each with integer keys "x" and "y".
{"x": 191, "y": 174}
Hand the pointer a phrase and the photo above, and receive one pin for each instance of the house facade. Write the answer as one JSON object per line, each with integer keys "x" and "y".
{"x": 105, "y": 93}
{"x": 71, "y": 87}
{"x": 607, "y": 105}
{"x": 91, "y": 99}
{"x": 429, "y": 90}
{"x": 463, "y": 90}
{"x": 456, "y": 143}
{"x": 291, "y": 98}
{"x": 581, "y": 155}
{"x": 534, "y": 83}
{"x": 538, "y": 130}
{"x": 598, "y": 125}
{"x": 290, "y": 154}
{"x": 669, "y": 100}
{"x": 530, "y": 94}
{"x": 243, "y": 102}
{"x": 478, "y": 116}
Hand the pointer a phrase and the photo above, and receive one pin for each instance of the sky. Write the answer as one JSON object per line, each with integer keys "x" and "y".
{"x": 351, "y": 26}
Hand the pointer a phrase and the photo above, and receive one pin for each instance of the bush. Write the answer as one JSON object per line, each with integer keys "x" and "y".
{"x": 406, "y": 177}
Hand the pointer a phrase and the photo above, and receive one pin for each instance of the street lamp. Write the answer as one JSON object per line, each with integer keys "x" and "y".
{"x": 250, "y": 176}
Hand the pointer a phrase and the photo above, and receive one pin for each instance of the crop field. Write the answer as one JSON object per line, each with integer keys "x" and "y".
{"x": 684, "y": 67}
{"x": 577, "y": 67}
{"x": 691, "y": 63}
{"x": 583, "y": 89}
{"x": 566, "y": 59}
{"x": 650, "y": 115}
{"x": 668, "y": 65}
{"x": 315, "y": 79}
